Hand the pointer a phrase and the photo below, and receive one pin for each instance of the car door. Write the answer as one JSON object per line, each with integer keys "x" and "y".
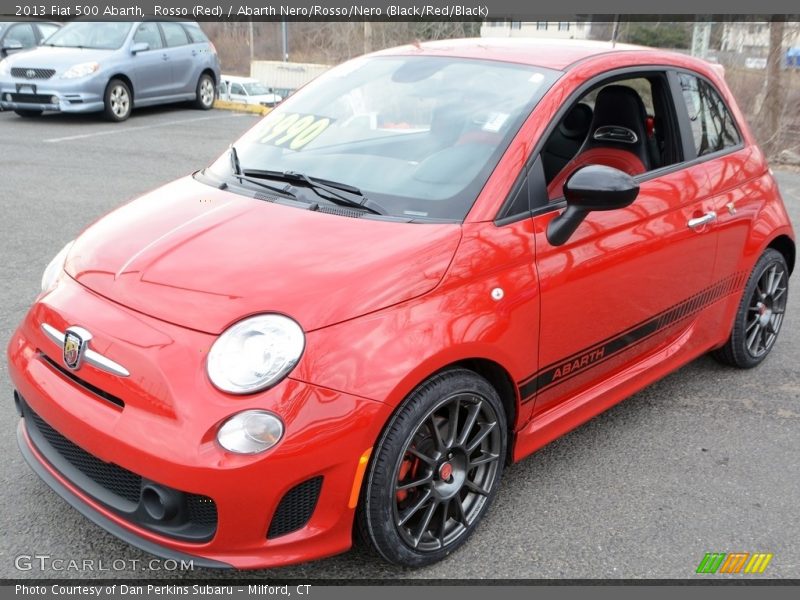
{"x": 629, "y": 281}
{"x": 238, "y": 93}
{"x": 181, "y": 57}
{"x": 150, "y": 68}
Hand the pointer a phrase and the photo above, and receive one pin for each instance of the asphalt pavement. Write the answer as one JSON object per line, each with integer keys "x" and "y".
{"x": 706, "y": 460}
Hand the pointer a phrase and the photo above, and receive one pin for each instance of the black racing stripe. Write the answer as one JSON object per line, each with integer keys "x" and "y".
{"x": 564, "y": 369}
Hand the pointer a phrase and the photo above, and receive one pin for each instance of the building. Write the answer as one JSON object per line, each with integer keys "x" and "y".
{"x": 567, "y": 30}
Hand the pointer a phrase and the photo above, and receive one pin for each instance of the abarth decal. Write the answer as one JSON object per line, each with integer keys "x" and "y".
{"x": 564, "y": 369}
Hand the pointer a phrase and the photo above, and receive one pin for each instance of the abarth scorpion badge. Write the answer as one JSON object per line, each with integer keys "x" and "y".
{"x": 76, "y": 340}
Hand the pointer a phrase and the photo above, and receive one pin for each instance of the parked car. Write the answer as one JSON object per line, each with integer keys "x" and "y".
{"x": 23, "y": 35}
{"x": 361, "y": 321}
{"x": 112, "y": 67}
{"x": 247, "y": 90}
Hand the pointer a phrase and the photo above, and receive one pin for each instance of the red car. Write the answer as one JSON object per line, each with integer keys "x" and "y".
{"x": 428, "y": 263}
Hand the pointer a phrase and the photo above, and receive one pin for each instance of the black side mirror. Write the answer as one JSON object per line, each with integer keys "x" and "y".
{"x": 137, "y": 47}
{"x": 594, "y": 187}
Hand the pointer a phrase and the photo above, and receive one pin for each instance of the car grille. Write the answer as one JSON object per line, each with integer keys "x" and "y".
{"x": 32, "y": 73}
{"x": 31, "y": 98}
{"x": 117, "y": 488}
{"x": 295, "y": 508}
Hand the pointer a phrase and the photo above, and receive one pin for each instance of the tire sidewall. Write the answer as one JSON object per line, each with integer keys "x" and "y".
{"x": 199, "y": 100}
{"x": 377, "y": 505}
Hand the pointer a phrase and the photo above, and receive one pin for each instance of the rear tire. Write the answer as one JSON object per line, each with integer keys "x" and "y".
{"x": 435, "y": 470}
{"x": 205, "y": 93}
{"x": 760, "y": 313}
{"x": 28, "y": 114}
{"x": 118, "y": 101}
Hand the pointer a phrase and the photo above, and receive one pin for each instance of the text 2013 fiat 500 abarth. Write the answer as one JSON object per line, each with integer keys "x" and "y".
{"x": 426, "y": 264}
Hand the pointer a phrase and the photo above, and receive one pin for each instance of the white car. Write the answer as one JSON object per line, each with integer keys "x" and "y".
{"x": 247, "y": 90}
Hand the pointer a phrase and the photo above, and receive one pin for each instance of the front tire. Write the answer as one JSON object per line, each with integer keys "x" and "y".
{"x": 205, "y": 93}
{"x": 760, "y": 313}
{"x": 435, "y": 470}
{"x": 118, "y": 101}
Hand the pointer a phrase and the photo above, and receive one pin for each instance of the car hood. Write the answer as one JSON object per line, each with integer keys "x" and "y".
{"x": 204, "y": 258}
{"x": 60, "y": 59}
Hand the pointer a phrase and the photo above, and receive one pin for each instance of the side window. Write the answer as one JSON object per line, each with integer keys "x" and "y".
{"x": 46, "y": 29}
{"x": 625, "y": 123}
{"x": 174, "y": 34}
{"x": 23, "y": 34}
{"x": 148, "y": 33}
{"x": 236, "y": 88}
{"x": 195, "y": 33}
{"x": 712, "y": 125}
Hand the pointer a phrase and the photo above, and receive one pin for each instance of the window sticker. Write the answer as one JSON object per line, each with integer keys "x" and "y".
{"x": 495, "y": 122}
{"x": 294, "y": 130}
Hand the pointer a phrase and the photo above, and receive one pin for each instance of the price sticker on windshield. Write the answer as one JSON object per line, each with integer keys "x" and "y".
{"x": 294, "y": 131}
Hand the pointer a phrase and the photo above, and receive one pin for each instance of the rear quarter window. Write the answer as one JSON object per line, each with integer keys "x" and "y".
{"x": 196, "y": 34}
{"x": 713, "y": 127}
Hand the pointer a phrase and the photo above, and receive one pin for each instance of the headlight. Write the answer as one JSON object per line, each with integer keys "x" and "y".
{"x": 250, "y": 431}
{"x": 53, "y": 270}
{"x": 255, "y": 354}
{"x": 5, "y": 66}
{"x": 81, "y": 70}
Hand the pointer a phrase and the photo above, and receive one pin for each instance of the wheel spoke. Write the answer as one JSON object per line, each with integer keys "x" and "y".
{"x": 486, "y": 429}
{"x": 778, "y": 293}
{"x": 472, "y": 416}
{"x": 437, "y": 435}
{"x": 423, "y": 457}
{"x": 752, "y": 324}
{"x": 415, "y": 508}
{"x": 413, "y": 484}
{"x": 483, "y": 459}
{"x": 752, "y": 338}
{"x": 461, "y": 516}
{"x": 426, "y": 520}
{"x": 443, "y": 525}
{"x": 472, "y": 486}
{"x": 452, "y": 425}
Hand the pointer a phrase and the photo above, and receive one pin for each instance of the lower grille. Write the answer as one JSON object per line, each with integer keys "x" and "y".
{"x": 32, "y": 73}
{"x": 194, "y": 520}
{"x": 32, "y": 98}
{"x": 295, "y": 508}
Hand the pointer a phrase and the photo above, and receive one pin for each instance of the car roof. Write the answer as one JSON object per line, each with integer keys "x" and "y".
{"x": 549, "y": 53}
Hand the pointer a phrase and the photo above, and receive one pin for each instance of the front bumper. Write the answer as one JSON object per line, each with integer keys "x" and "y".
{"x": 165, "y": 434}
{"x": 72, "y": 96}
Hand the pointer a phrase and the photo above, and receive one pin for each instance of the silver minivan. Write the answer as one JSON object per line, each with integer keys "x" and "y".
{"x": 112, "y": 67}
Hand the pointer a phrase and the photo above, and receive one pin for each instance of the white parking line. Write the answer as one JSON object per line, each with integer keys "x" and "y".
{"x": 140, "y": 128}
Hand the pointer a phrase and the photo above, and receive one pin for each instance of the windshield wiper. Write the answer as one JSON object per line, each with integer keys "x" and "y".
{"x": 331, "y": 189}
{"x": 236, "y": 167}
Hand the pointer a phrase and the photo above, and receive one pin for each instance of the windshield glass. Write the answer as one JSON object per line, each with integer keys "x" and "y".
{"x": 88, "y": 34}
{"x": 418, "y": 135}
{"x": 256, "y": 89}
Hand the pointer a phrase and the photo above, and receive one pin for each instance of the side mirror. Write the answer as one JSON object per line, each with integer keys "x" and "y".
{"x": 139, "y": 47}
{"x": 10, "y": 46}
{"x": 594, "y": 187}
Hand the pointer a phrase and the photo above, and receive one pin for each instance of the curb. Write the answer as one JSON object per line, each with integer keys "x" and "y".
{"x": 244, "y": 108}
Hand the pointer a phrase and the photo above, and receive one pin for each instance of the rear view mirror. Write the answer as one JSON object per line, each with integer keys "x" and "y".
{"x": 594, "y": 187}
{"x": 139, "y": 47}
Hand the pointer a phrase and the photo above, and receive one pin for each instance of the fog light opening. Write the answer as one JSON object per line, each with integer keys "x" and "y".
{"x": 54, "y": 99}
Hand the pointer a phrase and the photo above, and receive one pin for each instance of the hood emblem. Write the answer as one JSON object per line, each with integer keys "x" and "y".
{"x": 30, "y": 73}
{"x": 76, "y": 341}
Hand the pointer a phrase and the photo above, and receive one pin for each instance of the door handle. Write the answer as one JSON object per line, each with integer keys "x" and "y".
{"x": 698, "y": 222}
{"x": 165, "y": 57}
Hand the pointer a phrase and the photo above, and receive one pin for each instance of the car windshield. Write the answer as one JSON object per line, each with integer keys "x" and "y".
{"x": 88, "y": 34}
{"x": 418, "y": 135}
{"x": 256, "y": 88}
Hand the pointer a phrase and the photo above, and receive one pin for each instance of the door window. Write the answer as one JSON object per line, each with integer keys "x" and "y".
{"x": 236, "y": 88}
{"x": 174, "y": 34}
{"x": 713, "y": 128}
{"x": 148, "y": 33}
{"x": 23, "y": 34}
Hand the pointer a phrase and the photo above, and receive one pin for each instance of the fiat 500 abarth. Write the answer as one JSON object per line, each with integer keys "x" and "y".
{"x": 426, "y": 264}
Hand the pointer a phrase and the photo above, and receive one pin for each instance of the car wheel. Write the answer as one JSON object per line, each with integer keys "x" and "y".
{"x": 28, "y": 114}
{"x": 760, "y": 314}
{"x": 118, "y": 104}
{"x": 205, "y": 92}
{"x": 435, "y": 470}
